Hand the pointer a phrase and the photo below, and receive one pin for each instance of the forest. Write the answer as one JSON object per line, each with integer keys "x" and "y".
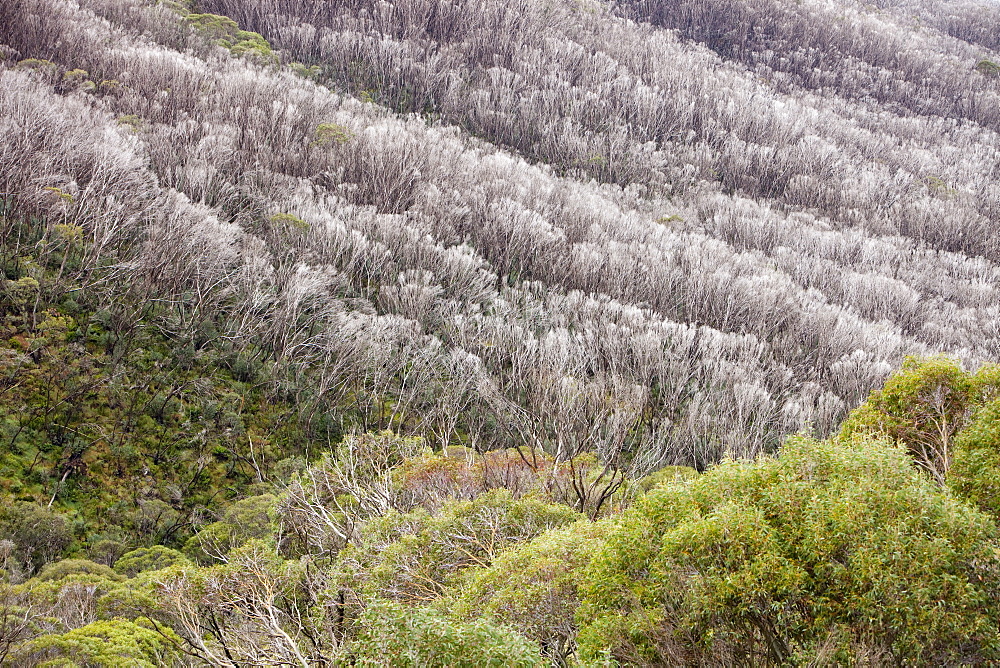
{"x": 466, "y": 333}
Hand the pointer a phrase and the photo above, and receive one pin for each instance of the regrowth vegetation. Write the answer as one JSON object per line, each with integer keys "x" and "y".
{"x": 383, "y": 552}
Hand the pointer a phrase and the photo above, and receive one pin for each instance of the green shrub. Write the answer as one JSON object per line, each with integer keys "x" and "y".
{"x": 534, "y": 587}
{"x": 106, "y": 551}
{"x": 149, "y": 559}
{"x": 665, "y": 475}
{"x": 115, "y": 643}
{"x": 331, "y": 133}
{"x": 975, "y": 472}
{"x": 923, "y": 406}
{"x": 227, "y": 34}
{"x": 38, "y": 534}
{"x": 76, "y": 599}
{"x": 988, "y": 68}
{"x": 310, "y": 72}
{"x": 66, "y": 567}
{"x": 397, "y": 635}
{"x": 415, "y": 556}
{"x": 247, "y": 519}
{"x": 837, "y": 552}
{"x": 289, "y": 221}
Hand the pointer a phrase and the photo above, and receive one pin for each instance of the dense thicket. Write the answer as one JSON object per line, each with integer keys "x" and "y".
{"x": 850, "y": 550}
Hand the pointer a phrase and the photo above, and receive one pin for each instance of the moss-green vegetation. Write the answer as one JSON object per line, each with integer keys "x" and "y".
{"x": 114, "y": 643}
{"x": 129, "y": 446}
{"x": 112, "y": 431}
{"x": 327, "y": 133}
{"x": 226, "y": 33}
{"x": 988, "y": 68}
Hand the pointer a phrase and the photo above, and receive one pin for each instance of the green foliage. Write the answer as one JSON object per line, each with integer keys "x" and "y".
{"x": 923, "y": 407}
{"x": 217, "y": 26}
{"x": 249, "y": 43}
{"x": 76, "y": 599}
{"x": 182, "y": 7}
{"x": 105, "y": 550}
{"x": 131, "y": 120}
{"x": 322, "y": 506}
{"x": 835, "y": 553}
{"x": 67, "y": 567}
{"x": 227, "y": 34}
{"x": 69, "y": 234}
{"x": 121, "y": 430}
{"x": 64, "y": 197}
{"x": 665, "y": 475}
{"x": 331, "y": 133}
{"x": 534, "y": 588}
{"x": 149, "y": 559}
{"x": 79, "y": 79}
{"x": 310, "y": 72}
{"x": 114, "y": 643}
{"x": 39, "y": 65}
{"x": 52, "y": 590}
{"x": 939, "y": 187}
{"x": 397, "y": 635}
{"x": 247, "y": 519}
{"x": 38, "y": 535}
{"x": 975, "y": 472}
{"x": 289, "y": 221}
{"x": 582, "y": 483}
{"x": 988, "y": 68}
{"x": 253, "y": 592}
{"x": 832, "y": 552}
{"x": 21, "y": 292}
{"x": 415, "y": 556}
{"x": 430, "y": 479}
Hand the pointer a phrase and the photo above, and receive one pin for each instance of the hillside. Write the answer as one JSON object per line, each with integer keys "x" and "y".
{"x": 293, "y": 279}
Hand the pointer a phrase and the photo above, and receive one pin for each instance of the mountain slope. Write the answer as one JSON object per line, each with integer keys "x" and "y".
{"x": 674, "y": 255}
